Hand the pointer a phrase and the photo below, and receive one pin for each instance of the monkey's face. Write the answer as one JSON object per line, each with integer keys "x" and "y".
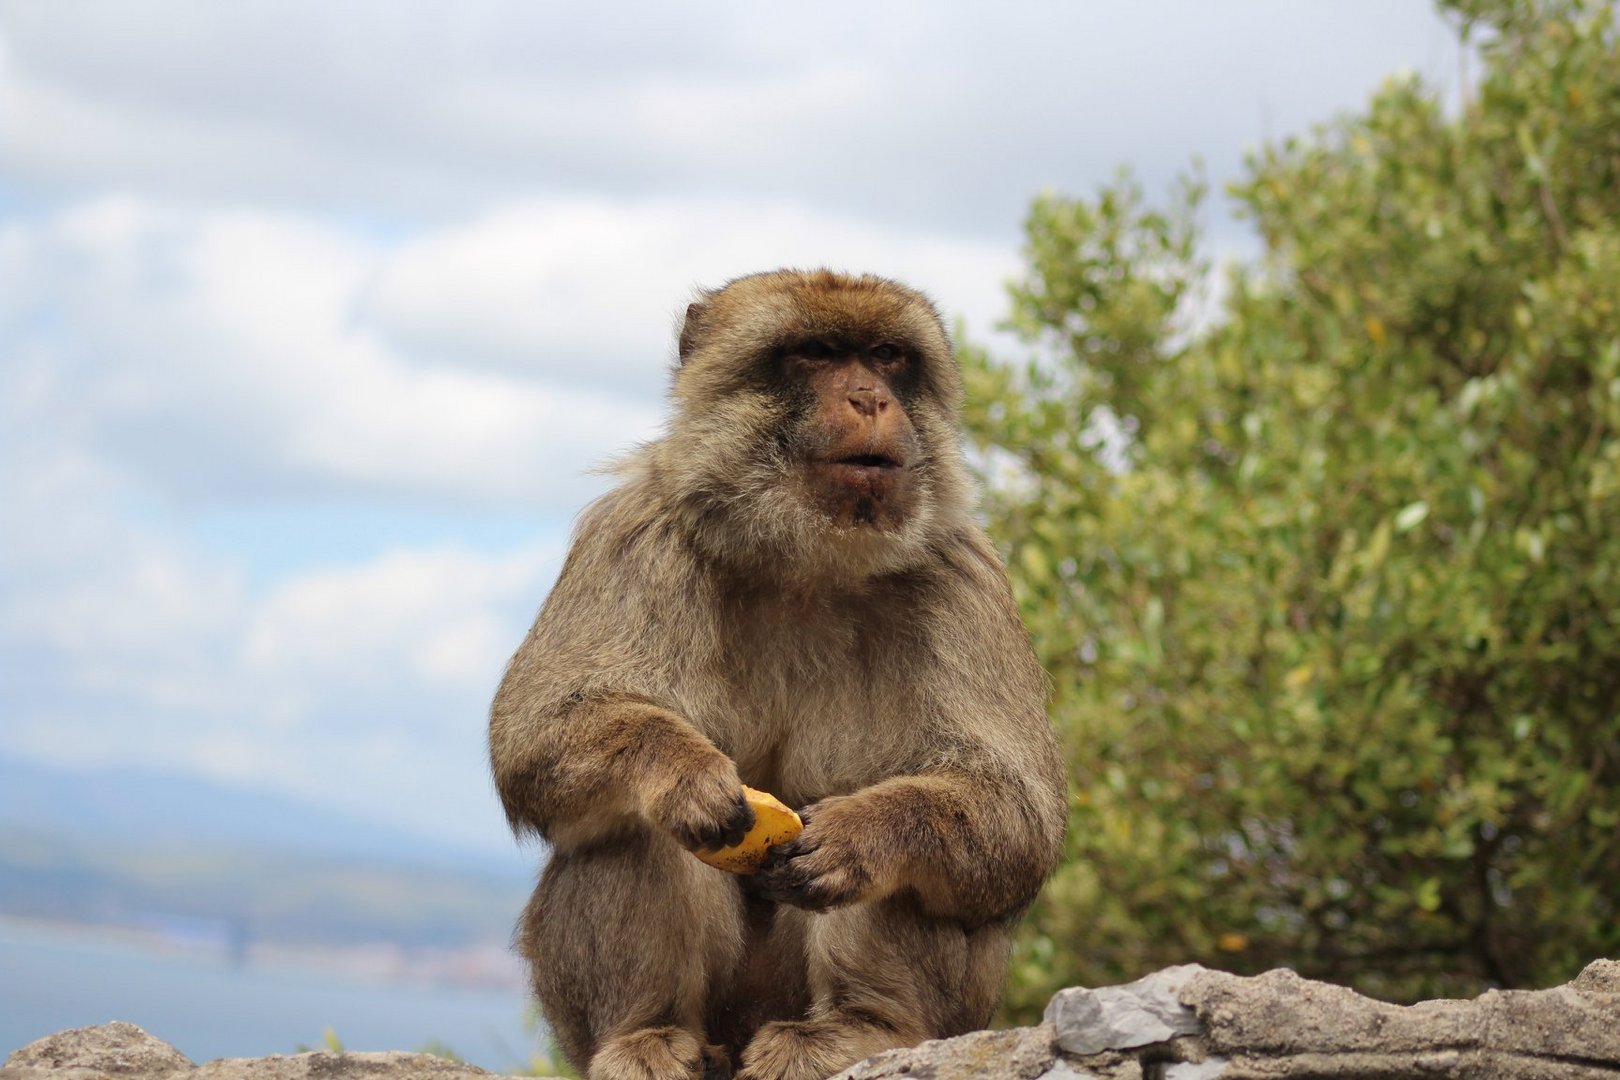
{"x": 857, "y": 446}
{"x": 815, "y": 426}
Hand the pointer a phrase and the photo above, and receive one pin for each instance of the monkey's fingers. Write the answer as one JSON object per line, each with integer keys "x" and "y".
{"x": 770, "y": 823}
{"x": 786, "y": 878}
{"x": 737, "y": 825}
{"x": 806, "y": 875}
{"x": 719, "y": 830}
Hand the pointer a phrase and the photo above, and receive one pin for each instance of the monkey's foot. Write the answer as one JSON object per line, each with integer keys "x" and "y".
{"x": 716, "y": 1063}
{"x": 812, "y": 1049}
{"x": 661, "y": 1053}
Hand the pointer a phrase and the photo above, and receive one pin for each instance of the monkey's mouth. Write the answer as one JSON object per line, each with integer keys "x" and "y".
{"x": 856, "y": 481}
{"x": 866, "y": 461}
{"x": 867, "y": 489}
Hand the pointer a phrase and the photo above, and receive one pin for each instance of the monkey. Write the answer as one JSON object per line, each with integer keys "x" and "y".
{"x": 786, "y": 589}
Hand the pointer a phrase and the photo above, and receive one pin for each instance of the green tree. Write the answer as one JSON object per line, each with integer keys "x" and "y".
{"x": 1328, "y": 581}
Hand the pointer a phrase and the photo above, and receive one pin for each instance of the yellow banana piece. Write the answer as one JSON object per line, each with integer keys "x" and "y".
{"x": 774, "y": 823}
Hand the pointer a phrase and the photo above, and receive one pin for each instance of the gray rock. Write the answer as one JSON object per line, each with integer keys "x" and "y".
{"x": 1016, "y": 1054}
{"x": 1280, "y": 1025}
{"x": 1279, "y": 1014}
{"x": 1182, "y": 1023}
{"x": 1190, "y": 1023}
{"x": 1207, "y": 1069}
{"x": 116, "y": 1050}
{"x": 1062, "y": 1070}
{"x": 324, "y": 1065}
{"x": 1141, "y": 1013}
{"x": 1599, "y": 977}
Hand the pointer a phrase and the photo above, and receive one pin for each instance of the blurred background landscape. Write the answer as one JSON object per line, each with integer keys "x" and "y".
{"x": 315, "y": 319}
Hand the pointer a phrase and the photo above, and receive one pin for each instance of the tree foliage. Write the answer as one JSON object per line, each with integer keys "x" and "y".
{"x": 1327, "y": 578}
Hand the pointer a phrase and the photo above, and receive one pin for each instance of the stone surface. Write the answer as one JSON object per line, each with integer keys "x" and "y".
{"x": 1280, "y": 1025}
{"x": 1121, "y": 1017}
{"x": 1190, "y": 1023}
{"x": 116, "y": 1050}
{"x": 1183, "y": 1023}
{"x": 1016, "y": 1054}
{"x": 324, "y": 1065}
{"x": 1062, "y": 1070}
{"x": 1279, "y": 1014}
{"x": 1600, "y": 977}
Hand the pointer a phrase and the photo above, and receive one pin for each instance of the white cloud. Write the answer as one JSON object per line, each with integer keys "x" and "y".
{"x": 592, "y": 290}
{"x": 363, "y": 688}
{"x": 96, "y": 600}
{"x": 220, "y": 353}
{"x": 141, "y": 342}
{"x": 372, "y": 684}
{"x": 947, "y": 117}
{"x": 431, "y": 613}
{"x": 227, "y": 352}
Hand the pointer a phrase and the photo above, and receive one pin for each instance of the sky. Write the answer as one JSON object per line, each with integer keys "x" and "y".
{"x": 315, "y": 319}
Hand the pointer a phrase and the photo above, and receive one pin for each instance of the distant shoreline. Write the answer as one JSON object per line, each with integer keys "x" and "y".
{"x": 482, "y": 966}
{"x": 203, "y": 1000}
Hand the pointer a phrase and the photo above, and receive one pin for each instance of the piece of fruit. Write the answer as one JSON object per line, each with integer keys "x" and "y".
{"x": 774, "y": 823}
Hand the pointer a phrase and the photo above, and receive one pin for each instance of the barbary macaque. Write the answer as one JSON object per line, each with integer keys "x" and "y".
{"x": 787, "y": 590}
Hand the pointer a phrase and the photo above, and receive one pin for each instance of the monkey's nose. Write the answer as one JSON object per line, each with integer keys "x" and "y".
{"x": 866, "y": 402}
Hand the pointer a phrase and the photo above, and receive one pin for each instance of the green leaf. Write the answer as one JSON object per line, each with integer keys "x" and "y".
{"x": 1332, "y": 646}
{"x": 1411, "y": 515}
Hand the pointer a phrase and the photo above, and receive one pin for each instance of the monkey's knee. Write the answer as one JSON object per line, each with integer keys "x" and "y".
{"x": 892, "y": 967}
{"x": 815, "y": 1048}
{"x": 623, "y": 940}
{"x": 881, "y": 976}
{"x": 659, "y": 1053}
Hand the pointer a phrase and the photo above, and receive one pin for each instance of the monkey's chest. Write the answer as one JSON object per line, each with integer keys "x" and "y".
{"x": 815, "y": 723}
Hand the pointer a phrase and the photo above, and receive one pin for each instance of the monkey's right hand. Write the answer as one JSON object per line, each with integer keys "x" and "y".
{"x": 704, "y": 809}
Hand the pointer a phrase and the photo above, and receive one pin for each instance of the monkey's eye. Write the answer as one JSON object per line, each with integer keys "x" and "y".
{"x": 886, "y": 353}
{"x": 816, "y": 350}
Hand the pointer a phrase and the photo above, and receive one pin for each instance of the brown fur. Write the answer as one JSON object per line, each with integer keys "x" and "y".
{"x": 754, "y": 605}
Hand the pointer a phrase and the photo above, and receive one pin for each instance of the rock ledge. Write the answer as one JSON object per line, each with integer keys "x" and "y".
{"x": 1182, "y": 1023}
{"x": 1191, "y": 1023}
{"x": 120, "y": 1051}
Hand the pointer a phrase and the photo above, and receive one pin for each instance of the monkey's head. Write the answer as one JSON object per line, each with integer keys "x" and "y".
{"x": 815, "y": 427}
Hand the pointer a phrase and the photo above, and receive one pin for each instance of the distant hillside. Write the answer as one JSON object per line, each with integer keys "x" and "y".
{"x": 165, "y": 810}
{"x": 221, "y": 892}
{"x": 150, "y": 849}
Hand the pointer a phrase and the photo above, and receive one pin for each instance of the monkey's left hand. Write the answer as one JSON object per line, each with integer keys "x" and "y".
{"x": 836, "y": 860}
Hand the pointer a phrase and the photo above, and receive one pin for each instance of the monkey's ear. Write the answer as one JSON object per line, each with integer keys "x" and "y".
{"x": 691, "y": 329}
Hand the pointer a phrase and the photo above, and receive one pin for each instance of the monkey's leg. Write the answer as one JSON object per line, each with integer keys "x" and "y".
{"x": 622, "y": 941}
{"x": 882, "y": 975}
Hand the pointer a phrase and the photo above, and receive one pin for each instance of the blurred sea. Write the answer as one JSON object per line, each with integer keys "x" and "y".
{"x": 208, "y": 1007}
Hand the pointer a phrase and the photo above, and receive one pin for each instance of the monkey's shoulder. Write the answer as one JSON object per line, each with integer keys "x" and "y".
{"x": 628, "y": 531}
{"x": 624, "y": 568}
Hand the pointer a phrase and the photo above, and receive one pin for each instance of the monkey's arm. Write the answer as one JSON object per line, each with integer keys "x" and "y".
{"x": 596, "y": 767}
{"x": 582, "y": 743}
{"x": 977, "y": 825}
{"x": 969, "y": 846}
